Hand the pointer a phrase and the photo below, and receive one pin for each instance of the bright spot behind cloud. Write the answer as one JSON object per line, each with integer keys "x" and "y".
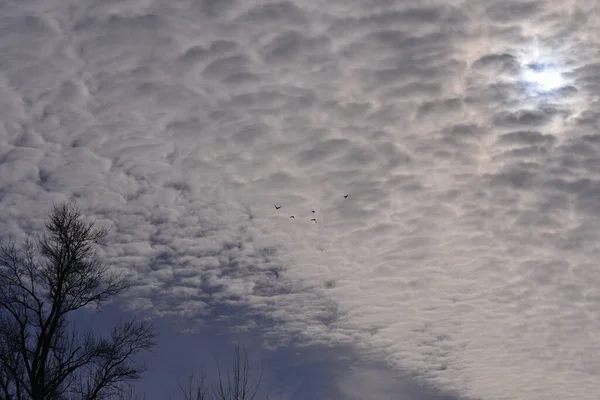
{"x": 543, "y": 78}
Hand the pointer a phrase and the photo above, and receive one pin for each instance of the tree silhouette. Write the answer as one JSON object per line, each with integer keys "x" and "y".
{"x": 236, "y": 386}
{"x": 41, "y": 283}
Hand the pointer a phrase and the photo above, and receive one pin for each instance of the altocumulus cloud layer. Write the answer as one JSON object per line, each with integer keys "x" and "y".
{"x": 466, "y": 251}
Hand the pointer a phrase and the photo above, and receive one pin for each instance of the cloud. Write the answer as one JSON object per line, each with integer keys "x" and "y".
{"x": 465, "y": 252}
{"x": 375, "y": 382}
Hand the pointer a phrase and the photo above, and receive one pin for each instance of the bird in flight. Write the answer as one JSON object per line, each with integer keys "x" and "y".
{"x": 277, "y": 208}
{"x": 291, "y": 216}
{"x": 346, "y": 196}
{"x": 314, "y": 219}
{"x": 313, "y": 211}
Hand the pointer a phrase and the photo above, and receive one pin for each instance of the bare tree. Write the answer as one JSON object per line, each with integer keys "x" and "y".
{"x": 200, "y": 393}
{"x": 236, "y": 386}
{"x": 41, "y": 283}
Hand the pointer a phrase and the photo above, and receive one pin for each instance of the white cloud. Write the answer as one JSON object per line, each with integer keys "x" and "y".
{"x": 465, "y": 252}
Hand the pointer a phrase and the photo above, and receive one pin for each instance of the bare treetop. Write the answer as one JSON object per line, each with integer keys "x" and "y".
{"x": 40, "y": 284}
{"x": 73, "y": 271}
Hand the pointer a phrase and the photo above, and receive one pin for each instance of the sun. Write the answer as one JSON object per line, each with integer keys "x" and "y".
{"x": 542, "y": 69}
{"x": 543, "y": 77}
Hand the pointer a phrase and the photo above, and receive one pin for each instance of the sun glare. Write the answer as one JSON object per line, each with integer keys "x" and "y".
{"x": 543, "y": 77}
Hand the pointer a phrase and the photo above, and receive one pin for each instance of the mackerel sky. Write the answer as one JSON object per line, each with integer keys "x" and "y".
{"x": 463, "y": 263}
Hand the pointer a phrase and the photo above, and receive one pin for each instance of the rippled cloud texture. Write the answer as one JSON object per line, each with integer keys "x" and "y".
{"x": 466, "y": 251}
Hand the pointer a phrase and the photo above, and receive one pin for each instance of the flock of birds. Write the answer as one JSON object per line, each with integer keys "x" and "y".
{"x": 313, "y": 211}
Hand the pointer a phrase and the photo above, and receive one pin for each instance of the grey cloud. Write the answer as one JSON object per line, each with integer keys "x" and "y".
{"x": 135, "y": 25}
{"x": 241, "y": 78}
{"x": 523, "y": 175}
{"x": 503, "y": 63}
{"x": 215, "y": 8}
{"x": 394, "y": 155}
{"x": 289, "y": 97}
{"x": 35, "y": 36}
{"x": 415, "y": 17}
{"x": 360, "y": 156}
{"x": 584, "y": 77}
{"x": 527, "y": 138}
{"x": 18, "y": 163}
{"x": 220, "y": 46}
{"x": 227, "y": 66}
{"x": 200, "y": 53}
{"x": 291, "y": 46}
{"x": 275, "y": 13}
{"x": 414, "y": 48}
{"x": 323, "y": 150}
{"x": 195, "y": 54}
{"x": 141, "y": 35}
{"x": 405, "y": 72}
{"x": 407, "y": 183}
{"x": 588, "y": 118}
{"x": 511, "y": 11}
{"x": 525, "y": 118}
{"x": 412, "y": 89}
{"x": 438, "y": 107}
{"x": 495, "y": 94}
{"x": 468, "y": 131}
{"x": 352, "y": 111}
{"x": 250, "y": 134}
{"x": 585, "y": 191}
{"x": 524, "y": 153}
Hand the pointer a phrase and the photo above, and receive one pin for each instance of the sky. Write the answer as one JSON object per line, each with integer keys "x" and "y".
{"x": 462, "y": 264}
